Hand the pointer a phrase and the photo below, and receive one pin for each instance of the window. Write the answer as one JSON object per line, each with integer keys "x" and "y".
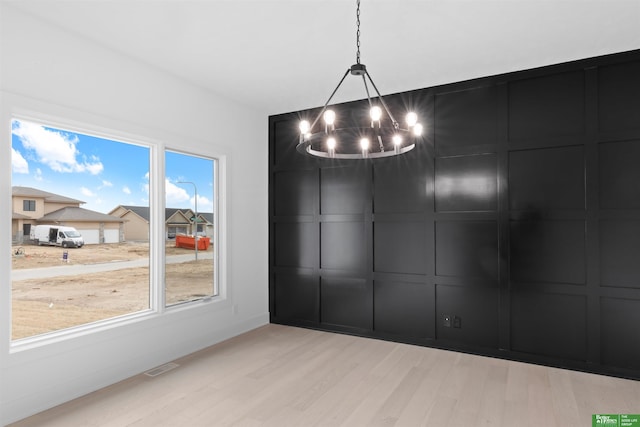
{"x": 99, "y": 202}
{"x": 190, "y": 250}
{"x": 95, "y": 192}
{"x": 29, "y": 205}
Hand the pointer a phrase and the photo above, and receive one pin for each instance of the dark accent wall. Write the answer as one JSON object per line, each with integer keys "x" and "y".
{"x": 512, "y": 230}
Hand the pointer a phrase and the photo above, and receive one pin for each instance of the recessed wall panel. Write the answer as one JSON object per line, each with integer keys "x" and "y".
{"x": 346, "y": 302}
{"x": 467, "y": 249}
{"x": 466, "y": 183}
{"x": 473, "y": 315}
{"x": 547, "y": 106}
{"x": 466, "y": 118}
{"x": 620, "y": 340}
{"x": 400, "y": 247}
{"x": 296, "y": 244}
{"x": 549, "y": 324}
{"x": 295, "y": 192}
{"x": 342, "y": 246}
{"x": 297, "y": 297}
{"x": 547, "y": 179}
{"x": 405, "y": 309}
{"x": 547, "y": 251}
{"x": 620, "y": 253}
{"x": 400, "y": 185}
{"x": 619, "y": 175}
{"x": 344, "y": 190}
{"x": 619, "y": 96}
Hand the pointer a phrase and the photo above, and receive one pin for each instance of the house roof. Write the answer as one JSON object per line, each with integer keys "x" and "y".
{"x": 178, "y": 217}
{"x": 207, "y": 215}
{"x": 48, "y": 197}
{"x": 141, "y": 211}
{"x": 78, "y": 215}
{"x": 16, "y": 215}
{"x": 169, "y": 212}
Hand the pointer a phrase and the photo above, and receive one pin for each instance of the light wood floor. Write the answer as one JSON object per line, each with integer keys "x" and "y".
{"x": 284, "y": 376}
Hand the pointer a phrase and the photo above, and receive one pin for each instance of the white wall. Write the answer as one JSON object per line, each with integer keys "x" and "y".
{"x": 47, "y": 70}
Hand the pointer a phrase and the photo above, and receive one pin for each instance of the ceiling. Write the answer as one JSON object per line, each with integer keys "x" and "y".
{"x": 286, "y": 55}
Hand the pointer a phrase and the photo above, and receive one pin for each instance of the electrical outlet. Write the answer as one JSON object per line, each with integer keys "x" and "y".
{"x": 447, "y": 321}
{"x": 457, "y": 322}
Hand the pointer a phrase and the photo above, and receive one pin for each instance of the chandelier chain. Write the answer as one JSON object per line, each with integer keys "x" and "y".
{"x": 358, "y": 33}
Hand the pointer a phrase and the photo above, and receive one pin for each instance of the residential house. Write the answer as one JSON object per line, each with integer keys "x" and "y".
{"x": 32, "y": 206}
{"x": 177, "y": 221}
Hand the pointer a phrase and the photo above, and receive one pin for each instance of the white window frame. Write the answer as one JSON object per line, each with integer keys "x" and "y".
{"x": 21, "y": 108}
{"x": 217, "y": 165}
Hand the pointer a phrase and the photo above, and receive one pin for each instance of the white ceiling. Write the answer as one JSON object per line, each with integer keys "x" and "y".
{"x": 286, "y": 55}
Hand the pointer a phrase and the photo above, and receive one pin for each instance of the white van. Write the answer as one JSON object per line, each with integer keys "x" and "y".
{"x": 56, "y": 235}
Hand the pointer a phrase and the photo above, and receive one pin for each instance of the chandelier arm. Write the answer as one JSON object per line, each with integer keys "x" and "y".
{"x": 384, "y": 104}
{"x": 366, "y": 88}
{"x": 329, "y": 100}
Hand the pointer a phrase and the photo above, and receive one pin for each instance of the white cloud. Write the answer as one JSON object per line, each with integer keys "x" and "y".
{"x": 126, "y": 190}
{"x": 204, "y": 204}
{"x": 145, "y": 184}
{"x": 92, "y": 168}
{"x": 86, "y": 192}
{"x": 38, "y": 175}
{"x": 18, "y": 163}
{"x": 176, "y": 196}
{"x": 105, "y": 184}
{"x": 55, "y": 149}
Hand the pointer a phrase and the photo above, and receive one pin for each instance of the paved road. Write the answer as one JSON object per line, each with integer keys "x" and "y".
{"x": 77, "y": 269}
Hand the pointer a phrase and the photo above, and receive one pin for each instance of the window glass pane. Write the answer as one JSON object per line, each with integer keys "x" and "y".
{"x": 28, "y": 205}
{"x": 189, "y": 228}
{"x": 80, "y": 228}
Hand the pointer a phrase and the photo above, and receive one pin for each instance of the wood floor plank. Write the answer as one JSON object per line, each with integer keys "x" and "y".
{"x": 434, "y": 369}
{"x": 389, "y": 373}
{"x": 336, "y": 404}
{"x": 284, "y": 376}
{"x": 491, "y": 399}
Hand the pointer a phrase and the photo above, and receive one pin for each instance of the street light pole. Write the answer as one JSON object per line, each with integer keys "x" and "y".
{"x": 195, "y": 189}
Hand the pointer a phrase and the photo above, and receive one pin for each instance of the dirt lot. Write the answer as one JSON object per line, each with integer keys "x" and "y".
{"x": 58, "y": 302}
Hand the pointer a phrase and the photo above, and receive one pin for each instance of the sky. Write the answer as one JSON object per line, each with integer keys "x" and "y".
{"x": 103, "y": 173}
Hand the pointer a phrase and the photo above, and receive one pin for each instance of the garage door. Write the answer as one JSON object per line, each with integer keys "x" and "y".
{"x": 111, "y": 236}
{"x": 91, "y": 237}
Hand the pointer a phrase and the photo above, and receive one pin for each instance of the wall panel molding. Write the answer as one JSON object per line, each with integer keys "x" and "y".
{"x": 512, "y": 230}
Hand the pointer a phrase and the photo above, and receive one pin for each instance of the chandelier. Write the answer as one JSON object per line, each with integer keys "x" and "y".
{"x": 381, "y": 136}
